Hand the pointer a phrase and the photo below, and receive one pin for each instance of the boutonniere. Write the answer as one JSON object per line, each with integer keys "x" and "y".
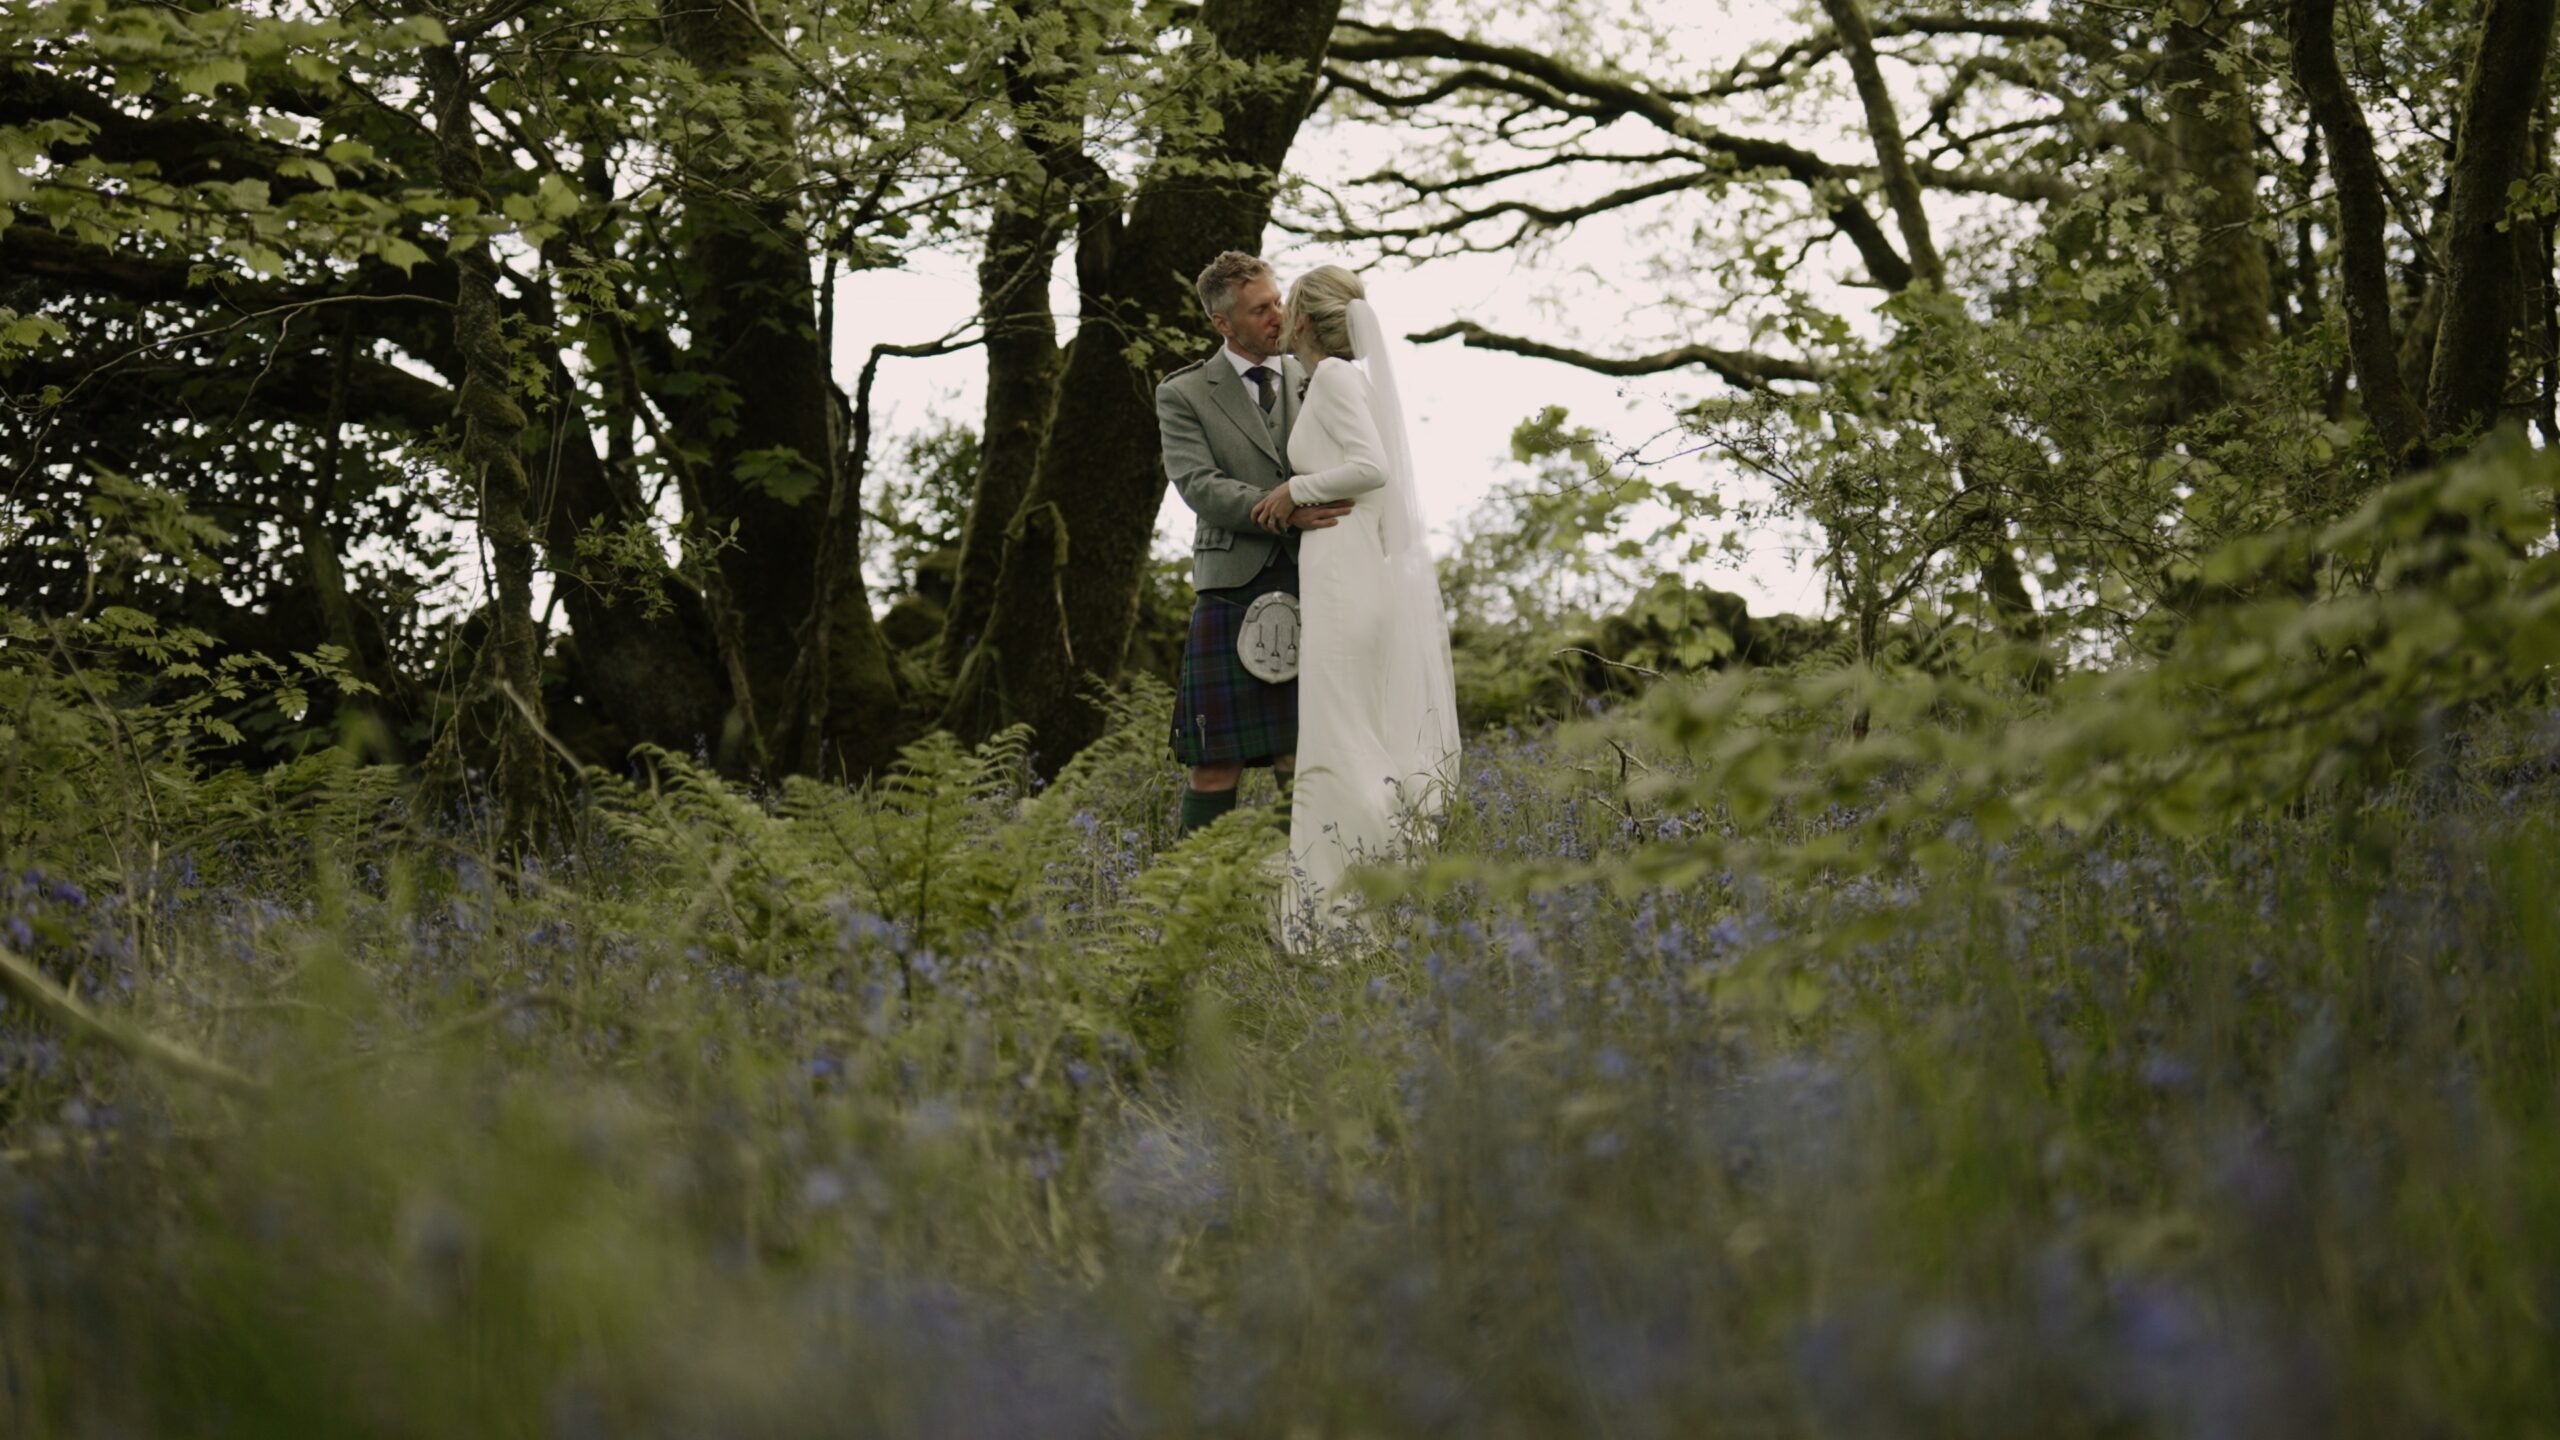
{"x": 1302, "y": 386}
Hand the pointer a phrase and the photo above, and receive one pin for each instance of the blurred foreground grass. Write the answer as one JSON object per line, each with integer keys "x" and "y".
{"x": 956, "y": 1109}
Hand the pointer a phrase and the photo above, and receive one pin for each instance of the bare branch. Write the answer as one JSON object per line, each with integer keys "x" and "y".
{"x": 1479, "y": 178}
{"x": 1739, "y": 368}
{"x": 1476, "y": 78}
{"x": 1605, "y": 97}
{"x": 1539, "y": 217}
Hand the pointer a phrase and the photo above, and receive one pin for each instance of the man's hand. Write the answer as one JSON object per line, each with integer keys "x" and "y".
{"x": 1271, "y": 512}
{"x": 1278, "y": 512}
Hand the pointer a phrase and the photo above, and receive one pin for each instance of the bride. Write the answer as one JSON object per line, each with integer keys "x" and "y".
{"x": 1377, "y": 704}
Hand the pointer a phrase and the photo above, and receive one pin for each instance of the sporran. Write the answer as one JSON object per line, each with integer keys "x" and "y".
{"x": 1268, "y": 643}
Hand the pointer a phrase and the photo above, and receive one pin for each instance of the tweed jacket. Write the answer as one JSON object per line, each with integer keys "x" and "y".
{"x": 1221, "y": 458}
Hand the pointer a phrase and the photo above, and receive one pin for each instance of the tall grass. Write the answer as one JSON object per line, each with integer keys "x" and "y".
{"x": 967, "y": 1106}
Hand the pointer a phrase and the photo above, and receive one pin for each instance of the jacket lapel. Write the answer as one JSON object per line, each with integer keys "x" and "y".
{"x": 1235, "y": 397}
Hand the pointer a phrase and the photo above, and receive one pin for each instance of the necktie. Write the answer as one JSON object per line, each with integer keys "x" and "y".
{"x": 1261, "y": 378}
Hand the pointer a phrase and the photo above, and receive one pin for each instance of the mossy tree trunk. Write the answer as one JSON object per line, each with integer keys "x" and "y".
{"x": 503, "y": 705}
{"x": 1022, "y": 385}
{"x": 763, "y": 428}
{"x": 1076, "y": 547}
{"x": 2223, "y": 288}
{"x": 2483, "y": 293}
{"x": 2363, "y": 210}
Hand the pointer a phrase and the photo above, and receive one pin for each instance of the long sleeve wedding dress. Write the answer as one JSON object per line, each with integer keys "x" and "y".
{"x": 1377, "y": 706}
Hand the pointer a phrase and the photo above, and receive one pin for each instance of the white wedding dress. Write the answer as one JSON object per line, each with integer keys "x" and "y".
{"x": 1377, "y": 703}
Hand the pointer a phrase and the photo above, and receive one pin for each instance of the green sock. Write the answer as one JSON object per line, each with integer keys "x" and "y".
{"x": 1199, "y": 807}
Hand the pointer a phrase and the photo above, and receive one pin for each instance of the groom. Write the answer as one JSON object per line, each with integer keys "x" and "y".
{"x": 1225, "y": 424}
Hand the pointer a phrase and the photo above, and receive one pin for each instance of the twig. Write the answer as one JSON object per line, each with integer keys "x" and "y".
{"x": 38, "y": 990}
{"x": 1625, "y": 759}
{"x": 458, "y": 1026}
{"x": 1605, "y": 660}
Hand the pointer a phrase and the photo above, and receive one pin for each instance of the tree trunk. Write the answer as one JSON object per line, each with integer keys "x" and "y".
{"x": 1022, "y": 383}
{"x": 2545, "y": 269}
{"x": 2002, "y": 579}
{"x": 2468, "y": 386}
{"x": 366, "y": 657}
{"x": 2365, "y": 281}
{"x": 645, "y": 659}
{"x": 765, "y": 425}
{"x": 505, "y": 695}
{"x": 2223, "y": 290}
{"x": 2300, "y": 306}
{"x": 1077, "y": 546}
{"x": 2539, "y": 337}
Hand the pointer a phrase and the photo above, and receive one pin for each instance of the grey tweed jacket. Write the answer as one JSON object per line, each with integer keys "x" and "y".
{"x": 1221, "y": 458}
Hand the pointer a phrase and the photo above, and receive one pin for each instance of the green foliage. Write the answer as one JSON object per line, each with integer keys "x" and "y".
{"x": 922, "y": 505}
{"x": 102, "y": 709}
{"x": 780, "y": 472}
{"x": 950, "y": 854}
{"x": 1565, "y": 584}
{"x": 1584, "y": 528}
{"x": 2270, "y": 701}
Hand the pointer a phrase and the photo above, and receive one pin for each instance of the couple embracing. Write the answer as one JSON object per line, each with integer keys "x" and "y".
{"x": 1318, "y": 645}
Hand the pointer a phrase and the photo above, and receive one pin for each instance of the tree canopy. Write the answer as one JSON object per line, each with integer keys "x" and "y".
{"x": 488, "y": 350}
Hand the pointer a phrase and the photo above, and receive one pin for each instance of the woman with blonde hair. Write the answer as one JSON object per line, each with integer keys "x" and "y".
{"x": 1377, "y": 698}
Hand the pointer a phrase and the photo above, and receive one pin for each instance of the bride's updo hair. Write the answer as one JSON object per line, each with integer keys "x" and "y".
{"x": 1322, "y": 297}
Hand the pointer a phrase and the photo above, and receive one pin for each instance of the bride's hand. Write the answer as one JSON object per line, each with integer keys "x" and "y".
{"x": 1272, "y": 511}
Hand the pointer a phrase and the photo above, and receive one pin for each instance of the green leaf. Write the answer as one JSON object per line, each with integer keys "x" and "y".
{"x": 778, "y": 471}
{"x": 309, "y": 169}
{"x": 397, "y": 251}
{"x": 212, "y": 75}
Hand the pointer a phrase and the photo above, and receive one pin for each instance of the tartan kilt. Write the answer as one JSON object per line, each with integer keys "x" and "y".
{"x": 1222, "y": 714}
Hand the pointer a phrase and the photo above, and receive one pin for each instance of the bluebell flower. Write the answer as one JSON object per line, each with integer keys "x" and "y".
{"x": 822, "y": 1189}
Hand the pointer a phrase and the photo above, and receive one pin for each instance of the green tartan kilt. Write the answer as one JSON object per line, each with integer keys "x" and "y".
{"x": 1222, "y": 714}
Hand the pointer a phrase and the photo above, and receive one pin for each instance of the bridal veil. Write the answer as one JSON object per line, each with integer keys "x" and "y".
{"x": 1417, "y": 686}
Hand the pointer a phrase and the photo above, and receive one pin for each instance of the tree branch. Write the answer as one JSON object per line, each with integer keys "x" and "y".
{"x": 1801, "y": 55}
{"x": 1884, "y": 127}
{"x": 2013, "y": 185}
{"x": 1739, "y": 368}
{"x": 93, "y": 269}
{"x": 182, "y": 149}
{"x": 1479, "y": 178}
{"x": 1603, "y": 97}
{"x": 1537, "y": 216}
{"x": 295, "y": 385}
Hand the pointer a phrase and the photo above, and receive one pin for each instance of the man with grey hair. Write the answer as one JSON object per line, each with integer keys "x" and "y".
{"x": 1225, "y": 425}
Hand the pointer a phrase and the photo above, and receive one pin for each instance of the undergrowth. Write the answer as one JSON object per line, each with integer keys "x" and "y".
{"x": 967, "y": 1105}
{"x": 2024, "y": 1067}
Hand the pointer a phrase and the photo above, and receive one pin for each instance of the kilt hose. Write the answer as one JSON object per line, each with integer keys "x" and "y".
{"x": 1222, "y": 714}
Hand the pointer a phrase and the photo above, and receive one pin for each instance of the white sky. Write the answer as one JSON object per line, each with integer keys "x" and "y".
{"x": 1464, "y": 403}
